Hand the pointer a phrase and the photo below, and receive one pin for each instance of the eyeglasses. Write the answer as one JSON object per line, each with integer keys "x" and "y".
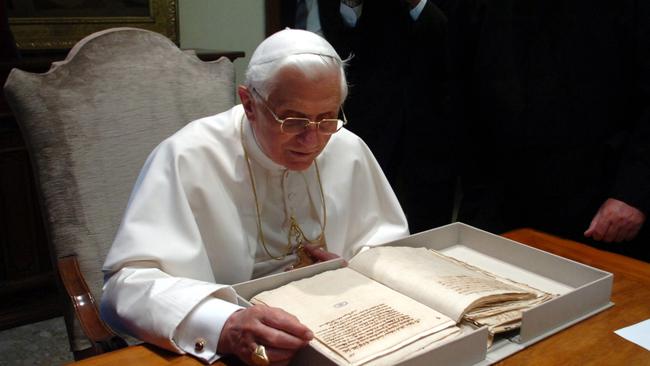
{"x": 296, "y": 125}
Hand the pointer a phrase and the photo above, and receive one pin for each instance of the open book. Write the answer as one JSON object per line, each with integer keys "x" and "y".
{"x": 391, "y": 303}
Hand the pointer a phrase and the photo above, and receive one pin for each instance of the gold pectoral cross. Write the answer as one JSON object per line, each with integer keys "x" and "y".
{"x": 303, "y": 259}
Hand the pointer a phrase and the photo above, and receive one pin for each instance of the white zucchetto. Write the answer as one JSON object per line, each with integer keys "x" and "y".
{"x": 291, "y": 42}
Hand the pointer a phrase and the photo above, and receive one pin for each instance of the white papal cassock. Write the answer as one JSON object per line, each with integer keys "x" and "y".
{"x": 190, "y": 228}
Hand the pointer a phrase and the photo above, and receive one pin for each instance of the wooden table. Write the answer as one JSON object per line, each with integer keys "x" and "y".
{"x": 590, "y": 342}
{"x": 593, "y": 341}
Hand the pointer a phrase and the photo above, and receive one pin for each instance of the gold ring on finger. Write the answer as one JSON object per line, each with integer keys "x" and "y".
{"x": 259, "y": 357}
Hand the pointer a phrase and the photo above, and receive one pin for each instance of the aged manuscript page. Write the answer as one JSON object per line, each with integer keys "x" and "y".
{"x": 357, "y": 319}
{"x": 450, "y": 286}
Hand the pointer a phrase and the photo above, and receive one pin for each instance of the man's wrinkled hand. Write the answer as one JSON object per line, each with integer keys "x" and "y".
{"x": 318, "y": 254}
{"x": 615, "y": 221}
{"x": 278, "y": 331}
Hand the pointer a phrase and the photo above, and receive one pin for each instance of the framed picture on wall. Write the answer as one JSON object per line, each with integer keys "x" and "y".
{"x": 59, "y": 24}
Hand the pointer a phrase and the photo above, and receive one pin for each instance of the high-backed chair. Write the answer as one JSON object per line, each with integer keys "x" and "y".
{"x": 89, "y": 124}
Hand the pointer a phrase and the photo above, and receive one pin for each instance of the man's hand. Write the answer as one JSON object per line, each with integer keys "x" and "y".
{"x": 615, "y": 221}
{"x": 318, "y": 254}
{"x": 278, "y": 331}
{"x": 309, "y": 254}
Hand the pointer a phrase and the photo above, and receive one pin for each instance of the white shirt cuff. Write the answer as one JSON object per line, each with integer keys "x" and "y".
{"x": 415, "y": 12}
{"x": 198, "y": 334}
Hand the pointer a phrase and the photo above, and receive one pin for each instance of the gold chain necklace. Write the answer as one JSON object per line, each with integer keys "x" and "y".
{"x": 295, "y": 231}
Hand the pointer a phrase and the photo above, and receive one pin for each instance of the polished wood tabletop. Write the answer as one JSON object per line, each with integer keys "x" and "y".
{"x": 593, "y": 341}
{"x": 590, "y": 342}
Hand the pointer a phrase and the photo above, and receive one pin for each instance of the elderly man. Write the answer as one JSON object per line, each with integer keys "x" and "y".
{"x": 235, "y": 196}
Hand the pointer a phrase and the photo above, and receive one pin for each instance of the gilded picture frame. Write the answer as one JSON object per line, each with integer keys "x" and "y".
{"x": 62, "y": 31}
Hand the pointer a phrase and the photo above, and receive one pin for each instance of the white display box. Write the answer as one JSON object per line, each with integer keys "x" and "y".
{"x": 583, "y": 291}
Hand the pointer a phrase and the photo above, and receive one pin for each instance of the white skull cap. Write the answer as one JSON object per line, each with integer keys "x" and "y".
{"x": 291, "y": 42}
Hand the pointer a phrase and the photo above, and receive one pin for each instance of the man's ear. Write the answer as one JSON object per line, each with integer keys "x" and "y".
{"x": 246, "y": 101}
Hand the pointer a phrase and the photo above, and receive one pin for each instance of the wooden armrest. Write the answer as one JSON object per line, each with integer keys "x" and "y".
{"x": 100, "y": 335}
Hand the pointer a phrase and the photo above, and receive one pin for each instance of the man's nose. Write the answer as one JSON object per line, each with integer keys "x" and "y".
{"x": 309, "y": 137}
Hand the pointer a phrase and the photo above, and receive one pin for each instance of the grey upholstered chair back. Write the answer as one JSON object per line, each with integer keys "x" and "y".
{"x": 90, "y": 122}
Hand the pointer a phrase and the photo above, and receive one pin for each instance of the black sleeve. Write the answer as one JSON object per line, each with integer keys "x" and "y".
{"x": 633, "y": 180}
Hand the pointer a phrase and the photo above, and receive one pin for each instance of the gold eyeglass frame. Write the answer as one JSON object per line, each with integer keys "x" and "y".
{"x": 306, "y": 121}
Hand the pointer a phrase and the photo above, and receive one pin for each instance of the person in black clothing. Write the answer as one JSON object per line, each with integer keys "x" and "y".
{"x": 555, "y": 99}
{"x": 398, "y": 96}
